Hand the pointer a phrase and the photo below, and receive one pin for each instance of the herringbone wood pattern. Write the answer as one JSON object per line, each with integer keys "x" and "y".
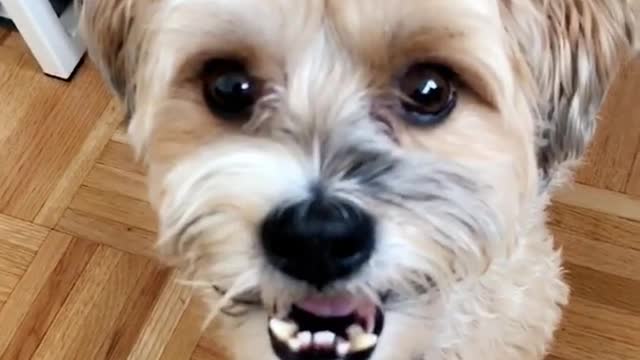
{"x": 76, "y": 276}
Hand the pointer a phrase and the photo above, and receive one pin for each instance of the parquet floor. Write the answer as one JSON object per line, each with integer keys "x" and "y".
{"x": 76, "y": 280}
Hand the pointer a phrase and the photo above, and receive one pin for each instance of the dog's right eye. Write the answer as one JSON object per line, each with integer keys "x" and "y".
{"x": 428, "y": 94}
{"x": 229, "y": 90}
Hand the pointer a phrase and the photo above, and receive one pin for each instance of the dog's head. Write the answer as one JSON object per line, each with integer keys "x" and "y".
{"x": 338, "y": 166}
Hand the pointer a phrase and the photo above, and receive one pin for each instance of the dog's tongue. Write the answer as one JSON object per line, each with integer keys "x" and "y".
{"x": 333, "y": 306}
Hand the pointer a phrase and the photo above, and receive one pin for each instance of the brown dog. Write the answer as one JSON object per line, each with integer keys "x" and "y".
{"x": 364, "y": 179}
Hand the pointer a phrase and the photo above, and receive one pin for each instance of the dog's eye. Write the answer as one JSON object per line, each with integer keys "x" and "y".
{"x": 428, "y": 94}
{"x": 229, "y": 90}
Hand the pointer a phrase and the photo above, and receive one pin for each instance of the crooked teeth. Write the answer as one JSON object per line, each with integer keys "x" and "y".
{"x": 305, "y": 338}
{"x": 363, "y": 342}
{"x": 324, "y": 339}
{"x": 358, "y": 339}
{"x": 294, "y": 345}
{"x": 343, "y": 348}
{"x": 283, "y": 330}
{"x": 355, "y": 330}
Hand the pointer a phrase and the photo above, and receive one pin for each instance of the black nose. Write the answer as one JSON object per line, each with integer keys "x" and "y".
{"x": 320, "y": 240}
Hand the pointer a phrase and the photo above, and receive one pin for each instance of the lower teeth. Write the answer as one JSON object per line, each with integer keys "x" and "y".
{"x": 283, "y": 330}
{"x": 305, "y": 338}
{"x": 343, "y": 347}
{"x": 294, "y": 344}
{"x": 324, "y": 339}
{"x": 354, "y": 331}
{"x": 363, "y": 342}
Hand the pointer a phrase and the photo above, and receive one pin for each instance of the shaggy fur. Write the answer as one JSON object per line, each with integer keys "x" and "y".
{"x": 464, "y": 253}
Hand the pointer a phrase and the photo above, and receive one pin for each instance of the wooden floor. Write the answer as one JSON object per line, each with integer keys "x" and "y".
{"x": 76, "y": 281}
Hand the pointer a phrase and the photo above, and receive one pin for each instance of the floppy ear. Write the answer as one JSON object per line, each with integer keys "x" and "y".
{"x": 574, "y": 49}
{"x": 113, "y": 36}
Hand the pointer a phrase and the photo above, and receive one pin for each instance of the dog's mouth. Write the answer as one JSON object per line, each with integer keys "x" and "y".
{"x": 327, "y": 328}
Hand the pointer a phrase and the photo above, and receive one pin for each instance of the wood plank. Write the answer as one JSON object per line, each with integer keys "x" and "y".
{"x": 108, "y": 232}
{"x": 117, "y": 181}
{"x": 604, "y": 289}
{"x": 21, "y": 233}
{"x": 595, "y": 226}
{"x": 12, "y": 61}
{"x": 59, "y": 119}
{"x": 163, "y": 321}
{"x": 19, "y": 242}
{"x": 14, "y": 258}
{"x": 88, "y": 318}
{"x": 608, "y": 164}
{"x": 187, "y": 334}
{"x": 115, "y": 207}
{"x": 13, "y": 263}
{"x": 136, "y": 314}
{"x": 622, "y": 262}
{"x": 79, "y": 167}
{"x": 633, "y": 183}
{"x": 605, "y": 201}
{"x": 120, "y": 156}
{"x": 16, "y": 62}
{"x": 553, "y": 357}
{"x": 25, "y": 292}
{"x": 4, "y": 34}
{"x": 21, "y": 342}
{"x": 209, "y": 349}
{"x": 15, "y": 41}
{"x": 605, "y": 321}
{"x": 572, "y": 344}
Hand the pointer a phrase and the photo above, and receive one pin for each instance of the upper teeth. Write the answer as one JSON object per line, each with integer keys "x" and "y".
{"x": 287, "y": 332}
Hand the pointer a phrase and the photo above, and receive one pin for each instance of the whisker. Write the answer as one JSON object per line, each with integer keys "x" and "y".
{"x": 234, "y": 311}
{"x": 415, "y": 315}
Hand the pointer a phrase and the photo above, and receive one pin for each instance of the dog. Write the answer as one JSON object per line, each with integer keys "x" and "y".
{"x": 364, "y": 179}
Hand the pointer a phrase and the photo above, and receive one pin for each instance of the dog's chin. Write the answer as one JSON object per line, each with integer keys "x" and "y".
{"x": 326, "y": 327}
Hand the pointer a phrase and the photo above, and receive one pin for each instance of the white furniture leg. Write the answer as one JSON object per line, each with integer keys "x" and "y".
{"x": 53, "y": 41}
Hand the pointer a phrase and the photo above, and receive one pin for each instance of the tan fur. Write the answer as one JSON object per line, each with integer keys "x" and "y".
{"x": 574, "y": 49}
{"x": 473, "y": 191}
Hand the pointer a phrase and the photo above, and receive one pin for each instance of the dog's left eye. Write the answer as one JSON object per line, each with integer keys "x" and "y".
{"x": 229, "y": 90}
{"x": 428, "y": 94}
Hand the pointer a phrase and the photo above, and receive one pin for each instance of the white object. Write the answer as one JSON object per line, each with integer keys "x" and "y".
{"x": 54, "y": 41}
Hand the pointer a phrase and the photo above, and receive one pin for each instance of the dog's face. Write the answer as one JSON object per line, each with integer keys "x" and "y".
{"x": 331, "y": 170}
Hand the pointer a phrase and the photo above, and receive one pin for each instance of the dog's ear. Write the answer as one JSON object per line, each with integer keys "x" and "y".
{"x": 113, "y": 36}
{"x": 574, "y": 49}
